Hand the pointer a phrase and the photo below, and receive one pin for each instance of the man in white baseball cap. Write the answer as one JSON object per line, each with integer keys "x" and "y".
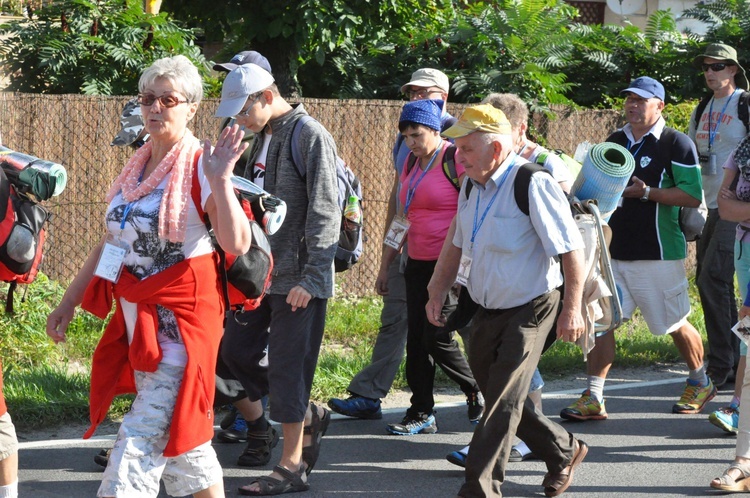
{"x": 303, "y": 250}
{"x": 428, "y": 81}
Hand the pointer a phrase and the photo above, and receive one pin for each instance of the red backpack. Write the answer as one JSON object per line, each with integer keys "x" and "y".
{"x": 22, "y": 236}
{"x": 246, "y": 278}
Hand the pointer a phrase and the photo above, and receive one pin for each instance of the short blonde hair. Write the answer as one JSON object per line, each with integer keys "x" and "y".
{"x": 180, "y": 71}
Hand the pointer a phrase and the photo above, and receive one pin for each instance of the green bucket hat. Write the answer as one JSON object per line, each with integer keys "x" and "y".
{"x": 723, "y": 52}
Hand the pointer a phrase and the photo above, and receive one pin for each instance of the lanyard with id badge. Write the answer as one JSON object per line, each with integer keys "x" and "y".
{"x": 112, "y": 258}
{"x": 464, "y": 267}
{"x": 400, "y": 225}
{"x": 708, "y": 157}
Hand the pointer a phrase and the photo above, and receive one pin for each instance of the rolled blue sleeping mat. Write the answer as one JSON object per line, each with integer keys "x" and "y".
{"x": 606, "y": 172}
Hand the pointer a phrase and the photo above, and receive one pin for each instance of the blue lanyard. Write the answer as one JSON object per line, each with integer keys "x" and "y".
{"x": 643, "y": 141}
{"x": 479, "y": 222}
{"x": 130, "y": 204}
{"x": 413, "y": 188}
{"x": 712, "y": 132}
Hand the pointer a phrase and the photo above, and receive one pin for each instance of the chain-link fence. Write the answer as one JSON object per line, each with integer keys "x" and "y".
{"x": 76, "y": 131}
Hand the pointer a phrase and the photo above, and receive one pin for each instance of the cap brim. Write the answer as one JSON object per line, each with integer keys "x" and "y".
{"x": 422, "y": 83}
{"x": 458, "y": 130}
{"x": 123, "y": 139}
{"x": 641, "y": 93}
{"x": 227, "y": 66}
{"x": 230, "y": 107}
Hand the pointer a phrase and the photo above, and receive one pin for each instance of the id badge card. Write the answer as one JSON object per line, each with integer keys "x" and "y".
{"x": 111, "y": 259}
{"x": 464, "y": 268}
{"x": 396, "y": 235}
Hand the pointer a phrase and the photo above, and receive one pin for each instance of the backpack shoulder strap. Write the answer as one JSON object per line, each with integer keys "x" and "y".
{"x": 195, "y": 190}
{"x": 742, "y": 109}
{"x": 299, "y": 165}
{"x": 701, "y": 107}
{"x": 521, "y": 185}
{"x": 195, "y": 193}
{"x": 449, "y": 166}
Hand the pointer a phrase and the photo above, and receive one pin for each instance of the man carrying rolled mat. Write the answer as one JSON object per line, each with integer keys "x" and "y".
{"x": 648, "y": 248}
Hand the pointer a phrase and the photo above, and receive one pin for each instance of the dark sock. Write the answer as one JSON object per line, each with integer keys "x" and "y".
{"x": 258, "y": 425}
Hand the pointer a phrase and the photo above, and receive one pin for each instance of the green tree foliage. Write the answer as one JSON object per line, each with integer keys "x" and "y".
{"x": 92, "y": 47}
{"x": 318, "y": 40}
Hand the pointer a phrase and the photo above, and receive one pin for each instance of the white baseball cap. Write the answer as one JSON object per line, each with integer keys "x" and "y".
{"x": 239, "y": 84}
{"x": 427, "y": 77}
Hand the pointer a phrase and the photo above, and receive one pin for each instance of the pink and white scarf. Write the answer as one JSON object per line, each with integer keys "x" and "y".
{"x": 173, "y": 210}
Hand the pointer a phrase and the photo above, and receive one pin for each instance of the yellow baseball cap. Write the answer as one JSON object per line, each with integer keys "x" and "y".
{"x": 484, "y": 117}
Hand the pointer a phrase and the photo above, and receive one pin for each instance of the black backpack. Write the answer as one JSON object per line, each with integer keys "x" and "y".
{"x": 520, "y": 185}
{"x": 246, "y": 278}
{"x": 22, "y": 236}
{"x": 742, "y": 110}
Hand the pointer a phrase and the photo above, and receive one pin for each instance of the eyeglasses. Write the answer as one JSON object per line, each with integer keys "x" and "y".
{"x": 246, "y": 112}
{"x": 165, "y": 100}
{"x": 715, "y": 67}
{"x": 422, "y": 93}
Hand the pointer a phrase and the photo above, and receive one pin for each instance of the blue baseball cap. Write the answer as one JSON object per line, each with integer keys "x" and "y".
{"x": 646, "y": 87}
{"x": 424, "y": 112}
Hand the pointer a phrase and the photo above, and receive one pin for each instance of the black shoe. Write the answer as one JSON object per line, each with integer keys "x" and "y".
{"x": 237, "y": 433}
{"x": 719, "y": 377}
{"x": 228, "y": 419}
{"x": 259, "y": 446}
{"x": 102, "y": 458}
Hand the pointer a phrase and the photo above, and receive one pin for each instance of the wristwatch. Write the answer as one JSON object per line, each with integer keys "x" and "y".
{"x": 647, "y": 191}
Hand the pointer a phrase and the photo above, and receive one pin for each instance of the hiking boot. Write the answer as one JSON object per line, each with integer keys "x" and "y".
{"x": 726, "y": 419}
{"x": 585, "y": 408}
{"x": 421, "y": 424}
{"x": 357, "y": 406}
{"x": 694, "y": 398}
{"x": 237, "y": 433}
{"x": 259, "y": 446}
{"x": 475, "y": 403}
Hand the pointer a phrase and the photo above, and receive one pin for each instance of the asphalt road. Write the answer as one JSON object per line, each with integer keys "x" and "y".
{"x": 641, "y": 450}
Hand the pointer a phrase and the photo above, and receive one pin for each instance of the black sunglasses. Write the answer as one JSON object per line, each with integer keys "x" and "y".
{"x": 715, "y": 67}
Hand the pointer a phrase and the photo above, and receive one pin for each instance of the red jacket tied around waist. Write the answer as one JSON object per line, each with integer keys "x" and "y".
{"x": 190, "y": 289}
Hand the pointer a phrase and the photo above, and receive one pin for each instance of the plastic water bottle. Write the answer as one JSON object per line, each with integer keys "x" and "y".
{"x": 352, "y": 211}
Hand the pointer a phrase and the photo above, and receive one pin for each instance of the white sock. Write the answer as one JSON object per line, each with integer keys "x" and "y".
{"x": 699, "y": 375}
{"x": 522, "y": 448}
{"x": 596, "y": 387}
{"x": 9, "y": 491}
{"x": 464, "y": 451}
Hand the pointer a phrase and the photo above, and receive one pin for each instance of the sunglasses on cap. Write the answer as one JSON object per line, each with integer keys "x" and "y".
{"x": 715, "y": 67}
{"x": 164, "y": 100}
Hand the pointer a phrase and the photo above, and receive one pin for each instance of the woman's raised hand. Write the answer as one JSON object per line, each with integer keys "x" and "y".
{"x": 219, "y": 161}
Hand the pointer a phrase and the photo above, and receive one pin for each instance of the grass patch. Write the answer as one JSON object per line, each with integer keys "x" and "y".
{"x": 48, "y": 384}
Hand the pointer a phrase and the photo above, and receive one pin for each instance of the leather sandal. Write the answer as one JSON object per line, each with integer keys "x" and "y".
{"x": 258, "y": 450}
{"x": 556, "y": 484}
{"x": 291, "y": 482}
{"x": 729, "y": 483}
{"x": 317, "y": 429}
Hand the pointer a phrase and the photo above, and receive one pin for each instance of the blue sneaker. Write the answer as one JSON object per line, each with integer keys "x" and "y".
{"x": 456, "y": 458}
{"x": 357, "y": 407}
{"x": 422, "y": 424}
{"x": 237, "y": 433}
{"x": 726, "y": 418}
